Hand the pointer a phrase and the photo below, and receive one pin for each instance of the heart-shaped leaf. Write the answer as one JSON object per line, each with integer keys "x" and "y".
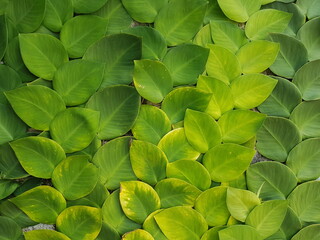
{"x": 226, "y": 162}
{"x": 42, "y": 204}
{"x": 152, "y": 80}
{"x": 77, "y": 80}
{"x": 213, "y": 207}
{"x": 277, "y": 137}
{"x": 45, "y": 234}
{"x": 148, "y": 161}
{"x": 151, "y": 124}
{"x": 9, "y": 229}
{"x": 138, "y": 200}
{"x": 185, "y": 63}
{"x": 190, "y": 228}
{"x": 122, "y": 101}
{"x": 75, "y": 128}
{"x": 80, "y": 222}
{"x": 114, "y": 163}
{"x": 176, "y": 147}
{"x": 271, "y": 180}
{"x": 179, "y": 21}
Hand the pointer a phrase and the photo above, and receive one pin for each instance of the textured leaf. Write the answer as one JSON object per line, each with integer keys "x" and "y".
{"x": 80, "y": 32}
{"x": 122, "y": 101}
{"x": 42, "y": 204}
{"x": 117, "y": 52}
{"x": 80, "y": 222}
{"x": 277, "y": 137}
{"x": 191, "y": 227}
{"x": 179, "y": 21}
{"x": 42, "y": 54}
{"x": 114, "y": 163}
{"x": 75, "y": 128}
{"x": 226, "y": 162}
{"x": 138, "y": 200}
{"x": 148, "y": 161}
{"x": 257, "y": 56}
{"x": 38, "y": 155}
{"x": 271, "y": 180}
{"x": 176, "y": 147}
{"x": 213, "y": 207}
{"x": 152, "y": 80}
{"x": 266, "y": 21}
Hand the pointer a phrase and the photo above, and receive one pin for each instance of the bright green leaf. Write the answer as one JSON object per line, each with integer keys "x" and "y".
{"x": 41, "y": 234}
{"x": 138, "y": 234}
{"x": 311, "y": 232}
{"x": 239, "y": 232}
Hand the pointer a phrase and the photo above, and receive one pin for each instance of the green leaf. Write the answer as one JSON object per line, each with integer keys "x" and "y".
{"x": 108, "y": 231}
{"x": 192, "y": 172}
{"x": 118, "y": 19}
{"x": 38, "y": 155}
{"x": 307, "y": 35}
{"x": 148, "y": 161}
{"x": 239, "y": 11}
{"x": 291, "y": 224}
{"x": 248, "y": 123}
{"x": 227, "y": 34}
{"x": 26, "y": 15}
{"x": 291, "y": 57}
{"x": 7, "y": 187}
{"x": 9, "y": 229}
{"x": 222, "y": 64}
{"x": 114, "y": 163}
{"x": 239, "y": 232}
{"x": 201, "y": 130}
{"x": 42, "y": 204}
{"x": 153, "y": 43}
{"x": 311, "y": 232}
{"x": 266, "y": 21}
{"x": 4, "y": 36}
{"x": 151, "y": 226}
{"x": 41, "y": 234}
{"x": 117, "y": 53}
{"x": 241, "y": 202}
{"x": 271, "y": 180}
{"x": 80, "y": 32}
{"x": 176, "y": 147}
{"x": 57, "y": 13}
{"x": 284, "y": 98}
{"x": 144, "y": 11}
{"x": 83, "y": 6}
{"x": 42, "y": 54}
{"x": 309, "y": 7}
{"x": 138, "y": 200}
{"x": 151, "y": 124}
{"x": 185, "y": 63}
{"x": 91, "y": 149}
{"x": 277, "y": 137}
{"x": 77, "y": 80}
{"x": 213, "y": 207}
{"x": 306, "y": 116}
{"x": 122, "y": 101}
{"x": 212, "y": 233}
{"x": 75, "y": 128}
{"x": 9, "y": 80}
{"x": 75, "y": 177}
{"x": 268, "y": 217}
{"x": 138, "y": 234}
{"x": 305, "y": 201}
{"x": 11, "y": 126}
{"x": 250, "y": 90}
{"x": 221, "y": 100}
{"x": 80, "y": 222}
{"x": 43, "y": 102}
{"x": 179, "y": 21}
{"x": 307, "y": 80}
{"x": 175, "y": 192}
{"x": 213, "y": 12}
{"x": 191, "y": 227}
{"x": 203, "y": 37}
{"x": 257, "y": 56}
{"x": 226, "y": 162}
{"x": 177, "y": 101}
{"x": 303, "y": 160}
{"x": 112, "y": 214}
{"x": 10, "y": 166}
{"x": 152, "y": 79}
